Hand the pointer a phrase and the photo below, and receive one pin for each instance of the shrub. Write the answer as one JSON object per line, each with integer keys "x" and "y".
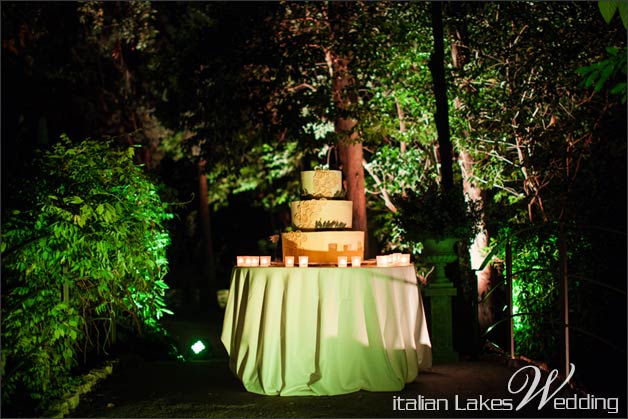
{"x": 83, "y": 249}
{"x": 437, "y": 214}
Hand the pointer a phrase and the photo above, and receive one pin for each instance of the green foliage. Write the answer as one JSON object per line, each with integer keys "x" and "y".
{"x": 330, "y": 224}
{"x": 83, "y": 248}
{"x": 591, "y": 252}
{"x": 437, "y": 214}
{"x": 270, "y": 170}
{"x": 520, "y": 112}
{"x": 535, "y": 292}
{"x": 110, "y": 26}
{"x": 337, "y": 195}
{"x": 609, "y": 7}
{"x": 597, "y": 75}
{"x": 399, "y": 171}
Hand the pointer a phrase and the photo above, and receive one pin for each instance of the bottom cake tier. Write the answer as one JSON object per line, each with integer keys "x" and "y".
{"x": 323, "y": 246}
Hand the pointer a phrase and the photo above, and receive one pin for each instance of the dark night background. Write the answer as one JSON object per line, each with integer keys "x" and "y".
{"x": 225, "y": 103}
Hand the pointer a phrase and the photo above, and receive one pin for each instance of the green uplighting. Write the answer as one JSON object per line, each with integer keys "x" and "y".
{"x": 198, "y": 347}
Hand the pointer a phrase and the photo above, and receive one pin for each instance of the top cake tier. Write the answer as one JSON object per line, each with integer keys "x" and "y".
{"x": 321, "y": 183}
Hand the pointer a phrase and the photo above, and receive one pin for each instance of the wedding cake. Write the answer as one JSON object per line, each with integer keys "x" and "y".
{"x": 322, "y": 220}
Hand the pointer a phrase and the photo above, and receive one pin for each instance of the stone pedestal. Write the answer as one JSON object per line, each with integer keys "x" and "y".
{"x": 440, "y": 290}
{"x": 441, "y": 322}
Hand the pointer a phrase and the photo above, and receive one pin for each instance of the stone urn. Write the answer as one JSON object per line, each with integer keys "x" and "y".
{"x": 439, "y": 252}
{"x": 440, "y": 291}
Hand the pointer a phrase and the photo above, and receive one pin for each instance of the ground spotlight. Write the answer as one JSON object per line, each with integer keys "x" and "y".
{"x": 198, "y": 347}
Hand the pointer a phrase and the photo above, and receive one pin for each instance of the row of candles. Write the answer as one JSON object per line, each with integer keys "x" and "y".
{"x": 395, "y": 259}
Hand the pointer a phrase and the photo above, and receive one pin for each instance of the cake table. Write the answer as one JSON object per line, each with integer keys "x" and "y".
{"x": 325, "y": 330}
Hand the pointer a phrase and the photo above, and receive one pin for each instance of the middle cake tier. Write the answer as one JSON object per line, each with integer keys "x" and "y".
{"x": 321, "y": 214}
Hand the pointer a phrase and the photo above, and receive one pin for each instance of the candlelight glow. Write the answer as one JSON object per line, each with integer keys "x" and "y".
{"x": 264, "y": 261}
{"x": 395, "y": 259}
{"x": 356, "y": 261}
{"x": 289, "y": 261}
{"x": 303, "y": 261}
{"x": 247, "y": 261}
{"x": 382, "y": 260}
{"x": 342, "y": 261}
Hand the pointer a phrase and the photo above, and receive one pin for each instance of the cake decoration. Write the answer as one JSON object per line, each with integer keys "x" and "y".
{"x": 328, "y": 214}
{"x": 321, "y": 221}
{"x": 321, "y": 183}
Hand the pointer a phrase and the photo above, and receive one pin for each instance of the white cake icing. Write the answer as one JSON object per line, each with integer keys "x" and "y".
{"x": 321, "y": 214}
{"x": 321, "y": 183}
{"x": 323, "y": 246}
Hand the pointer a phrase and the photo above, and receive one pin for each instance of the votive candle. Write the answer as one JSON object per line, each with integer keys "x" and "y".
{"x": 288, "y": 261}
{"x": 264, "y": 261}
{"x": 356, "y": 261}
{"x": 404, "y": 259}
{"x": 382, "y": 260}
{"x": 247, "y": 260}
{"x": 303, "y": 261}
{"x": 342, "y": 261}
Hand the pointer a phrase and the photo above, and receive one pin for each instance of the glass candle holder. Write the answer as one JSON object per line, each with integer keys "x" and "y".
{"x": 303, "y": 261}
{"x": 383, "y": 260}
{"x": 342, "y": 261}
{"x": 264, "y": 261}
{"x": 404, "y": 259}
{"x": 288, "y": 261}
{"x": 247, "y": 260}
{"x": 356, "y": 261}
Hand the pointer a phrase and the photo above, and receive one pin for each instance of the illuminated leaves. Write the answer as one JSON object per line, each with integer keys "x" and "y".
{"x": 94, "y": 232}
{"x": 608, "y": 8}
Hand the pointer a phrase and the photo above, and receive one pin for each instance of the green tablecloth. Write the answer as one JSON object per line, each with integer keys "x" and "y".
{"x": 325, "y": 330}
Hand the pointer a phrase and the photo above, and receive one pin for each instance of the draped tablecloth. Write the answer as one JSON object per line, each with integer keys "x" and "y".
{"x": 325, "y": 330}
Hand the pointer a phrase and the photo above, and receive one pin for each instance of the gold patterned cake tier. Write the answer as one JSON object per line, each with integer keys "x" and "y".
{"x": 323, "y": 246}
{"x": 321, "y": 214}
{"x": 322, "y": 183}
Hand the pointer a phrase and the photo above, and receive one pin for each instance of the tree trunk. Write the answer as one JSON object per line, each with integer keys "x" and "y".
{"x": 350, "y": 150}
{"x": 209, "y": 266}
{"x": 351, "y": 157}
{"x": 437, "y": 68}
{"x": 486, "y": 311}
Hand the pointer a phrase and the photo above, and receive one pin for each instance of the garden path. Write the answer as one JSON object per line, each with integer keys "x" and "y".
{"x": 207, "y": 388}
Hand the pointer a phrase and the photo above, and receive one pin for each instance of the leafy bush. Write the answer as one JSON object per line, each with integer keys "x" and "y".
{"x": 536, "y": 283}
{"x": 83, "y": 250}
{"x": 535, "y": 293}
{"x": 437, "y": 214}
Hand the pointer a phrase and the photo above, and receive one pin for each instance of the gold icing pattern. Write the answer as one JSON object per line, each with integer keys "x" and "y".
{"x": 325, "y": 183}
{"x": 307, "y": 212}
{"x": 295, "y": 236}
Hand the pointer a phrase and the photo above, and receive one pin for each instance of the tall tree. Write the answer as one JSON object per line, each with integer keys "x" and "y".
{"x": 338, "y": 61}
{"x": 437, "y": 67}
{"x": 459, "y": 43}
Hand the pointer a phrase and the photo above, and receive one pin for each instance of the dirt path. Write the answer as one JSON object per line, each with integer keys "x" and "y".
{"x": 207, "y": 388}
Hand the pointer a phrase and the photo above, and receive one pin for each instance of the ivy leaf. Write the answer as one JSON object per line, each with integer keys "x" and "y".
{"x": 73, "y": 200}
{"x": 607, "y": 8}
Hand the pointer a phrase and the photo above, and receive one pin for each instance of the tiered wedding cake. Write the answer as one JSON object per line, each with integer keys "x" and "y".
{"x": 322, "y": 219}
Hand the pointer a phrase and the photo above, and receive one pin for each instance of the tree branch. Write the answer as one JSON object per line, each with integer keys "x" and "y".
{"x": 381, "y": 187}
{"x": 301, "y": 87}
